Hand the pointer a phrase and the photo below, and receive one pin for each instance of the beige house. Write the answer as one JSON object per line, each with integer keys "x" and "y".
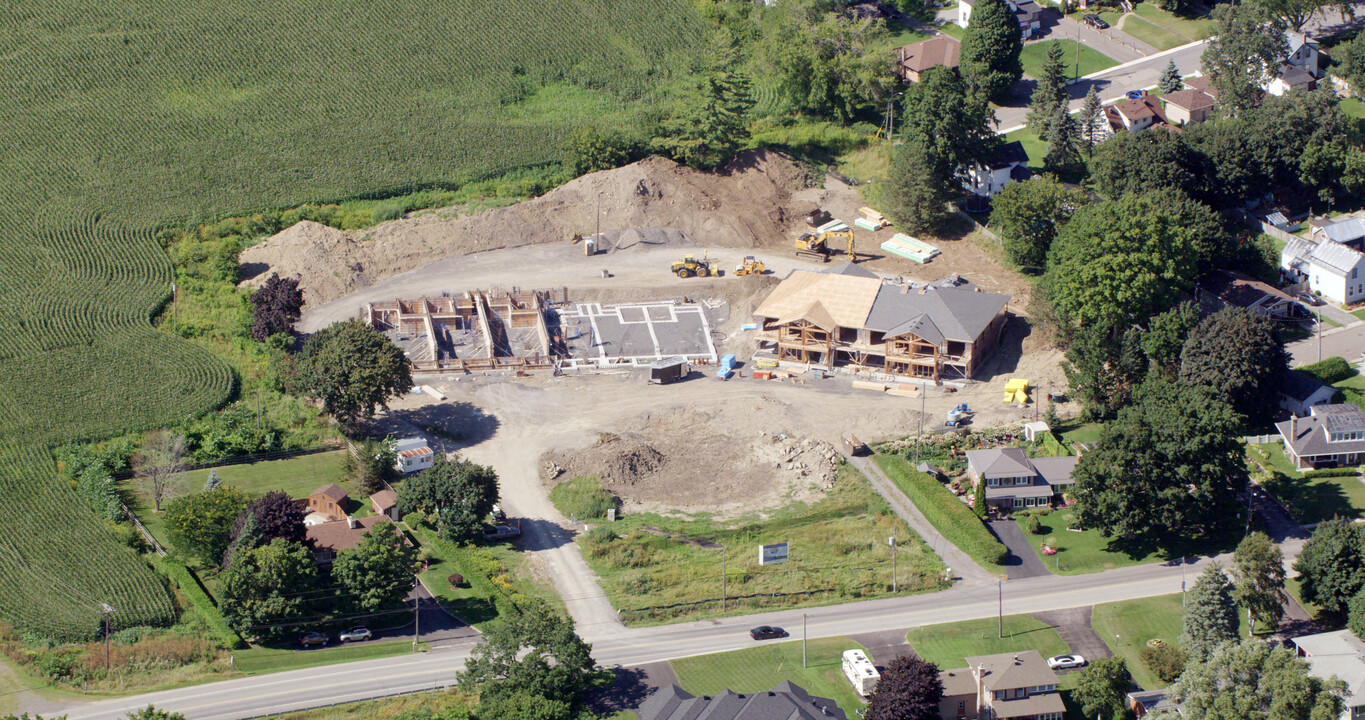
{"x": 846, "y": 317}
{"x": 1008, "y": 686}
{"x": 915, "y": 59}
{"x": 1188, "y": 106}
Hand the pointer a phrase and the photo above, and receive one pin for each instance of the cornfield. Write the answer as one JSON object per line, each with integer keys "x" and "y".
{"x": 118, "y": 118}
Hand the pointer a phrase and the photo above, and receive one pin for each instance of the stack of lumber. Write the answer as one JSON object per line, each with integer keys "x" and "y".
{"x": 907, "y": 247}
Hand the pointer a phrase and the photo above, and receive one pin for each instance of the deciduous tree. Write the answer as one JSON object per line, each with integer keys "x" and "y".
{"x": 1331, "y": 565}
{"x": 1027, "y": 216}
{"x": 259, "y": 593}
{"x": 352, "y": 368}
{"x": 1102, "y": 688}
{"x": 378, "y": 571}
{"x": 1258, "y": 575}
{"x": 1240, "y": 356}
{"x": 1210, "y": 615}
{"x": 989, "y": 59}
{"x": 159, "y": 465}
{"x": 1138, "y": 162}
{"x": 1256, "y": 680}
{"x": 954, "y": 125}
{"x": 275, "y": 307}
{"x": 1296, "y": 13}
{"x": 822, "y": 63}
{"x": 152, "y": 712}
{"x": 589, "y": 149}
{"x": 268, "y": 517}
{"x": 1169, "y": 467}
{"x": 200, "y": 525}
{"x": 457, "y": 493}
{"x": 1166, "y": 335}
{"x": 1244, "y": 54}
{"x": 910, "y": 689}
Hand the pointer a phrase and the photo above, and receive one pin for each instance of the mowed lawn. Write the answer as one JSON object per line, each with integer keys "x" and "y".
{"x": 1127, "y": 626}
{"x": 1091, "y": 60}
{"x": 1034, "y": 147}
{"x": 1078, "y": 551}
{"x": 1192, "y": 29}
{"x": 949, "y": 645}
{"x": 760, "y": 668}
{"x": 1154, "y": 35}
{"x": 1309, "y": 500}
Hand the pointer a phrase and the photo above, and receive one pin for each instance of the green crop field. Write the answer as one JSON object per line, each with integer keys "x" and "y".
{"x": 121, "y": 118}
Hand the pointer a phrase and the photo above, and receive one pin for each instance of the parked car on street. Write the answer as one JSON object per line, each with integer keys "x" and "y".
{"x": 1095, "y": 21}
{"x": 1310, "y": 299}
{"x": 1063, "y": 662}
{"x": 1136, "y": 94}
{"x": 356, "y": 634}
{"x": 767, "y": 632}
{"x": 312, "y": 639}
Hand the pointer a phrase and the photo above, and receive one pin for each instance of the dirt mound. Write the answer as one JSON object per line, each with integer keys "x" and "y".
{"x": 669, "y": 463}
{"x": 747, "y": 203}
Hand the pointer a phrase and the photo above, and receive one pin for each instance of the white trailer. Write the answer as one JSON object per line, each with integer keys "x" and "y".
{"x": 860, "y": 672}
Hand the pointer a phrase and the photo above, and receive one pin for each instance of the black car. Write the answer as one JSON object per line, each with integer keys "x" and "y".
{"x": 1095, "y": 21}
{"x": 767, "y": 632}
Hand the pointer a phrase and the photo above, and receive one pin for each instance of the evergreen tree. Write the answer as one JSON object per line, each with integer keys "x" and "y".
{"x": 212, "y": 481}
{"x": 1091, "y": 119}
{"x": 1050, "y": 91}
{"x": 1258, "y": 571}
{"x": 1210, "y": 615}
{"x": 913, "y": 194}
{"x": 1170, "y": 79}
{"x": 1062, "y": 138}
{"x": 710, "y": 121}
{"x": 989, "y": 59}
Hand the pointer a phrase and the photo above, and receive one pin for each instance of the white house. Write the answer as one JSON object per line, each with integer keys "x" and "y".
{"x": 414, "y": 455}
{"x": 1331, "y": 269}
{"x": 1301, "y": 392}
{"x": 1027, "y": 12}
{"x": 1301, "y": 67}
{"x": 1009, "y": 166}
{"x": 1339, "y": 654}
{"x": 1347, "y": 231}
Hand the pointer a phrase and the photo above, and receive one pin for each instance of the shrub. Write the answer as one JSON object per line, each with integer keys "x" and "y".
{"x": 388, "y": 210}
{"x": 1332, "y": 472}
{"x": 600, "y": 535}
{"x": 1032, "y": 525}
{"x": 1332, "y": 370}
{"x": 1165, "y": 660}
{"x": 950, "y": 516}
{"x": 456, "y": 580}
{"x": 582, "y": 498}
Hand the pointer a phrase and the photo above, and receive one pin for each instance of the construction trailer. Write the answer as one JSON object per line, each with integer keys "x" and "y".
{"x": 471, "y": 331}
{"x": 848, "y": 318}
{"x": 668, "y": 370}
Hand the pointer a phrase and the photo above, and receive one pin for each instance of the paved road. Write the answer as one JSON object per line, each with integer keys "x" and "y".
{"x": 1111, "y": 84}
{"x": 959, "y": 563}
{"x": 281, "y": 692}
{"x": 1348, "y": 342}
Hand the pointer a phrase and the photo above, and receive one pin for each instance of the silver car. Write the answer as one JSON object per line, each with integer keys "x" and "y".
{"x": 1063, "y": 662}
{"x": 356, "y": 634}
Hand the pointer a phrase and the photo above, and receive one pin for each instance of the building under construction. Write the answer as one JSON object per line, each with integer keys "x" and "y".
{"x": 847, "y": 317}
{"x": 471, "y": 331}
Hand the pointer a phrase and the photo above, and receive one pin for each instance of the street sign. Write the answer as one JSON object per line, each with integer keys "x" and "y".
{"x": 772, "y": 554}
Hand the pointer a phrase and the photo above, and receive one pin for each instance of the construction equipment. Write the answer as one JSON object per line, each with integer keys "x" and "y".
{"x": 689, "y": 266}
{"x": 750, "y": 266}
{"x": 817, "y": 245}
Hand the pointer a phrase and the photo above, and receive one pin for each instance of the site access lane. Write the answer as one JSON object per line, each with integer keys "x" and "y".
{"x": 298, "y": 689}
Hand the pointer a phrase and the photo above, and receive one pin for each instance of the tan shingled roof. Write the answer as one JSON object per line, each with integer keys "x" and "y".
{"x": 844, "y": 299}
{"x": 338, "y": 535}
{"x": 384, "y": 499}
{"x": 1013, "y": 670}
{"x": 331, "y": 491}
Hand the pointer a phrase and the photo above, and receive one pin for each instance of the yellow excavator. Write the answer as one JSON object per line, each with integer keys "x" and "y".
{"x": 750, "y": 266}
{"x": 818, "y": 247}
{"x": 689, "y": 266}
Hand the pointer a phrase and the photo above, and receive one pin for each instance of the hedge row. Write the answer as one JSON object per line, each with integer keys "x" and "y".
{"x": 1332, "y": 370}
{"x": 1332, "y": 472}
{"x": 198, "y": 597}
{"x": 949, "y": 515}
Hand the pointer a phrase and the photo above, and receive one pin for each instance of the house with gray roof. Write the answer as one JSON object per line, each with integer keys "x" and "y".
{"x": 1329, "y": 268}
{"x": 1014, "y": 480}
{"x": 1337, "y": 654}
{"x": 1007, "y": 686}
{"x": 1349, "y": 231}
{"x": 848, "y": 318}
{"x": 787, "y": 701}
{"x": 1301, "y": 392}
{"x": 1330, "y": 436}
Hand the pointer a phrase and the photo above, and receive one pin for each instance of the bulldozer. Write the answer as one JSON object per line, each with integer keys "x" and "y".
{"x": 690, "y": 266}
{"x": 750, "y": 266}
{"x": 817, "y": 247}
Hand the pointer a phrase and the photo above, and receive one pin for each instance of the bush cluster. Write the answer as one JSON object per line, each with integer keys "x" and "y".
{"x": 582, "y": 498}
{"x": 1167, "y": 661}
{"x": 949, "y": 515}
{"x": 1332, "y": 370}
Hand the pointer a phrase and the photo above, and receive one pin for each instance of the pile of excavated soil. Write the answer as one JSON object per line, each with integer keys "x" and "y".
{"x": 749, "y": 203}
{"x": 683, "y": 459}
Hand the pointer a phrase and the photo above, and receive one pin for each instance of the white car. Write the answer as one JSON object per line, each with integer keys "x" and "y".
{"x": 356, "y": 634}
{"x": 1063, "y": 662}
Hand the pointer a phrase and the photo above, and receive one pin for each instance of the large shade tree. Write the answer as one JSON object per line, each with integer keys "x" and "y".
{"x": 1028, "y": 215}
{"x": 910, "y": 689}
{"x": 1244, "y": 54}
{"x": 1239, "y": 355}
{"x": 352, "y": 368}
{"x": 457, "y": 494}
{"x": 1331, "y": 566}
{"x": 1255, "y": 680}
{"x": 378, "y": 571}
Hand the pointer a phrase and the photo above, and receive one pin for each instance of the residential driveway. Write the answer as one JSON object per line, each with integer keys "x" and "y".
{"x": 884, "y": 646}
{"x": 1073, "y": 625}
{"x": 1022, "y": 562}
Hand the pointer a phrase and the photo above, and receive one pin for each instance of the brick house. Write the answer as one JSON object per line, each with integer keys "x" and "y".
{"x": 1008, "y": 686}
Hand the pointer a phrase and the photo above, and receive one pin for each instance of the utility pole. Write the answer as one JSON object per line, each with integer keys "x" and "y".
{"x": 892, "y": 542}
{"x": 598, "y": 237}
{"x": 1182, "y": 581}
{"x": 803, "y": 639}
{"x": 1000, "y": 612}
{"x": 105, "y": 611}
{"x": 1078, "y": 52}
{"x": 175, "y": 317}
{"x": 1319, "y": 334}
{"x": 258, "y": 409}
{"x": 923, "y": 391}
{"x": 416, "y": 617}
{"x": 722, "y": 579}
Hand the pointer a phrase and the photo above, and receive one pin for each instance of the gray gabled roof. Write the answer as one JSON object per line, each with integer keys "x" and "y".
{"x": 1308, "y": 435}
{"x": 1055, "y": 470}
{"x": 849, "y": 268}
{"x": 787, "y": 701}
{"x": 1000, "y": 462}
{"x": 1299, "y": 385}
{"x": 955, "y": 313}
{"x": 1346, "y": 230}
